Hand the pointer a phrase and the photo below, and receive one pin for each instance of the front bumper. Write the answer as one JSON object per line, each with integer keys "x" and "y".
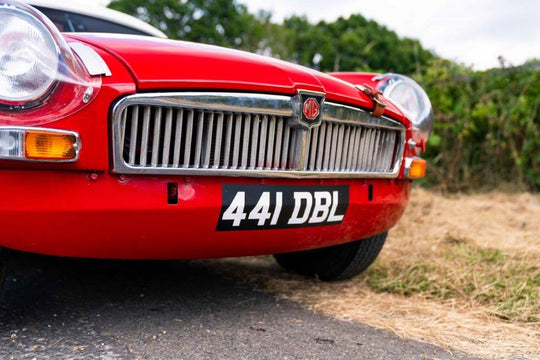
{"x": 99, "y": 215}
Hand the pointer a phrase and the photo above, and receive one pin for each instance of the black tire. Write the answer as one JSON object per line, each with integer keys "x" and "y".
{"x": 3, "y": 265}
{"x": 334, "y": 263}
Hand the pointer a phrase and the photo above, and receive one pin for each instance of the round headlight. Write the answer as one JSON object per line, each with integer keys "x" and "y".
{"x": 29, "y": 57}
{"x": 410, "y": 98}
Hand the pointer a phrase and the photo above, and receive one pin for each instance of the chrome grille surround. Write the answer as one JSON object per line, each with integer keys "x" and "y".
{"x": 244, "y": 134}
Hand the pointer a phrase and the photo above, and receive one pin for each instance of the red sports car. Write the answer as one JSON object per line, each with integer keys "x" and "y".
{"x": 133, "y": 147}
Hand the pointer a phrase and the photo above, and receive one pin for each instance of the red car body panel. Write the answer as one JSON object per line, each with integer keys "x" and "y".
{"x": 82, "y": 209}
{"x": 169, "y": 65}
{"x": 76, "y": 214}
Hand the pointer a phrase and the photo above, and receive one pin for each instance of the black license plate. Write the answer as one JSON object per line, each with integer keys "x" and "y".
{"x": 256, "y": 207}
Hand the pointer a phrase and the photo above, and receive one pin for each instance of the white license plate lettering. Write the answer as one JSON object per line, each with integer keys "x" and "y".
{"x": 251, "y": 207}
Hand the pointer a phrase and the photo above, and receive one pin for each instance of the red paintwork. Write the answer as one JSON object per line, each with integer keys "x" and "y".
{"x": 70, "y": 214}
{"x": 171, "y": 65}
{"x": 83, "y": 210}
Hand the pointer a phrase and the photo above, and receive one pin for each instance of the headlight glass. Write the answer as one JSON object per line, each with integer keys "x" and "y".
{"x": 29, "y": 57}
{"x": 411, "y": 99}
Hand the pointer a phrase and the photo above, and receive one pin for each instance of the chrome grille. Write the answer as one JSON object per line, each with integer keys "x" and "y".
{"x": 186, "y": 138}
{"x": 249, "y": 135}
{"x": 351, "y": 148}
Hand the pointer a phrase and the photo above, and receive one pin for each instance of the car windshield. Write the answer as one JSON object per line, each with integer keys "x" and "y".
{"x": 67, "y": 21}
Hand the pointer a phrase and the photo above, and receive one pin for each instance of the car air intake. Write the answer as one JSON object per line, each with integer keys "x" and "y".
{"x": 250, "y": 135}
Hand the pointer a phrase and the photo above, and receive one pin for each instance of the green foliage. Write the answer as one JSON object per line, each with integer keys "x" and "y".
{"x": 487, "y": 126}
{"x": 218, "y": 22}
{"x": 352, "y": 44}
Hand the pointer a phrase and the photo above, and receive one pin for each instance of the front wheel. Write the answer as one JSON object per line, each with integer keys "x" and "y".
{"x": 333, "y": 263}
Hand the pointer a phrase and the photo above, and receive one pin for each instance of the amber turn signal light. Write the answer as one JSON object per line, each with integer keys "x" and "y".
{"x": 50, "y": 145}
{"x": 415, "y": 168}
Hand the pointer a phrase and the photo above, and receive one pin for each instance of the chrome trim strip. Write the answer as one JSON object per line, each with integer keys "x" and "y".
{"x": 227, "y": 102}
{"x": 92, "y": 61}
{"x": 291, "y": 174}
{"x": 265, "y": 111}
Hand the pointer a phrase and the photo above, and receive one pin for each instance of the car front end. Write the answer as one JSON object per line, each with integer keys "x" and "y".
{"x": 130, "y": 147}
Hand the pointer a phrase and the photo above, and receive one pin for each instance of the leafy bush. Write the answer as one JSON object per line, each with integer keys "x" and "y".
{"x": 487, "y": 129}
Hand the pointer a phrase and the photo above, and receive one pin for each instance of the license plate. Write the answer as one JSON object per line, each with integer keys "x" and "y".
{"x": 256, "y": 207}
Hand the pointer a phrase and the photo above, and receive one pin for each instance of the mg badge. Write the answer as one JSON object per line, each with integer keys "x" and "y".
{"x": 308, "y": 107}
{"x": 311, "y": 108}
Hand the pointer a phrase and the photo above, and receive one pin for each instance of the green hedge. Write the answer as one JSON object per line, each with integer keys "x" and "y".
{"x": 487, "y": 127}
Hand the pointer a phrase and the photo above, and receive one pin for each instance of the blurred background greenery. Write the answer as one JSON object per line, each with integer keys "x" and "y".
{"x": 487, "y": 126}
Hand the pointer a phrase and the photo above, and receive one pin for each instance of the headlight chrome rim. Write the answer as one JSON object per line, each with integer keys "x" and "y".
{"x": 41, "y": 76}
{"x": 422, "y": 119}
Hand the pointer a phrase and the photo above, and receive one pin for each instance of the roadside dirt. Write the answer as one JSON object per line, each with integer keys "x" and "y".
{"x": 462, "y": 272}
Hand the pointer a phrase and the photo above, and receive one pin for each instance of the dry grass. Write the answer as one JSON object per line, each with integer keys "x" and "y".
{"x": 462, "y": 272}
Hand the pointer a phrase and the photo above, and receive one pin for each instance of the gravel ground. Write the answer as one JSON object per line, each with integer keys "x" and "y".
{"x": 54, "y": 308}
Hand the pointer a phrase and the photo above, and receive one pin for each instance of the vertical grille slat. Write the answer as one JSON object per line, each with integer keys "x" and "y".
{"x": 285, "y": 152}
{"x": 346, "y": 137}
{"x": 327, "y": 155}
{"x": 279, "y": 141}
{"x": 254, "y": 142}
{"x": 237, "y": 142}
{"x": 133, "y": 135}
{"x": 357, "y": 147}
{"x": 245, "y": 144}
{"x": 169, "y": 137}
{"x": 198, "y": 140}
{"x": 188, "y": 137}
{"x": 219, "y": 137}
{"x": 366, "y": 137}
{"x": 333, "y": 147}
{"x": 352, "y": 143}
{"x": 321, "y": 152}
{"x": 271, "y": 138}
{"x": 369, "y": 150}
{"x": 314, "y": 134}
{"x": 373, "y": 151}
{"x": 144, "y": 135}
{"x": 228, "y": 140}
{"x": 382, "y": 159}
{"x": 123, "y": 127}
{"x": 339, "y": 147}
{"x": 208, "y": 141}
{"x": 156, "y": 138}
{"x": 379, "y": 157}
{"x": 262, "y": 142}
{"x": 390, "y": 151}
{"x": 177, "y": 138}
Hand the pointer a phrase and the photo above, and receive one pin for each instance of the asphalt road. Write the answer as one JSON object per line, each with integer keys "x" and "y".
{"x": 55, "y": 308}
